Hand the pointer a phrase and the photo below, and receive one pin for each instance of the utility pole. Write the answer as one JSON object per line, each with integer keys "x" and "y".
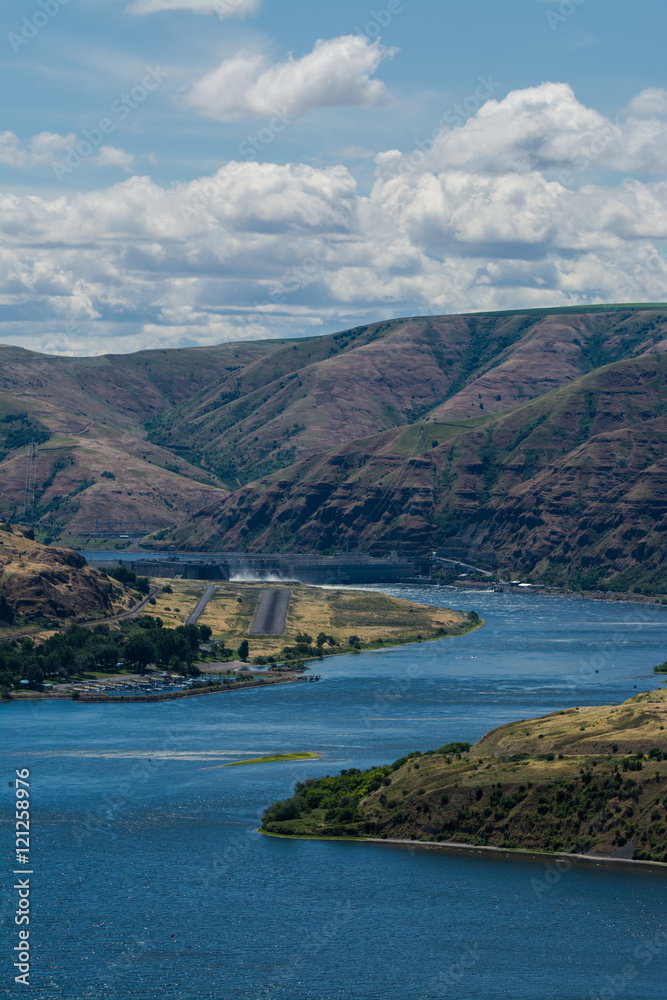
{"x": 30, "y": 481}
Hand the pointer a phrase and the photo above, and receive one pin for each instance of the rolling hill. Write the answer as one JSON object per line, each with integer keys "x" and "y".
{"x": 93, "y": 461}
{"x": 306, "y": 396}
{"x": 53, "y": 586}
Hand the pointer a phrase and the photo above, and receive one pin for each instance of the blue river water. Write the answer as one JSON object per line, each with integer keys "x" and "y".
{"x": 150, "y": 880}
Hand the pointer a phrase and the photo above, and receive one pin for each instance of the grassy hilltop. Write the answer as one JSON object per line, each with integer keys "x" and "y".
{"x": 584, "y": 780}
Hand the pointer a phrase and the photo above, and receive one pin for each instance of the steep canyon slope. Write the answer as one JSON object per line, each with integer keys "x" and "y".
{"x": 568, "y": 488}
{"x": 537, "y": 435}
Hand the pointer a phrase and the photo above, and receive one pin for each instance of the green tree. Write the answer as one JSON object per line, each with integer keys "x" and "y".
{"x": 176, "y": 665}
{"x": 83, "y": 660}
{"x": 243, "y": 650}
{"x": 106, "y": 655}
{"x": 6, "y": 613}
{"x": 139, "y": 651}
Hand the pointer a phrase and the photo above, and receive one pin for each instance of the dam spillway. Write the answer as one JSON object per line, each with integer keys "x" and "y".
{"x": 312, "y": 569}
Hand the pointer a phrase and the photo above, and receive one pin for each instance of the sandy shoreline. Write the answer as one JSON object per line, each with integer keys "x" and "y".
{"x": 452, "y": 846}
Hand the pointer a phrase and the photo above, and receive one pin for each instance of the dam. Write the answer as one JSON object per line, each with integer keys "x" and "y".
{"x": 313, "y": 569}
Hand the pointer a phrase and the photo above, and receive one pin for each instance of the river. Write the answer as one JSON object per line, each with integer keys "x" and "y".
{"x": 150, "y": 880}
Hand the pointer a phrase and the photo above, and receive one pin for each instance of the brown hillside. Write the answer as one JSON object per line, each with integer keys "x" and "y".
{"x": 177, "y": 427}
{"x": 41, "y": 582}
{"x": 86, "y": 416}
{"x": 569, "y": 486}
{"x": 585, "y": 780}
{"x": 310, "y": 395}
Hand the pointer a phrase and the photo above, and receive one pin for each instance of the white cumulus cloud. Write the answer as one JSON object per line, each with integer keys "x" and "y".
{"x": 649, "y": 102}
{"x": 223, "y": 8}
{"x": 42, "y": 149}
{"x": 338, "y": 71}
{"x": 266, "y": 249}
{"x": 47, "y": 148}
{"x": 538, "y": 128}
{"x": 114, "y": 156}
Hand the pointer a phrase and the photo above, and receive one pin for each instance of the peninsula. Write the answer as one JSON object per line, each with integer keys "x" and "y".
{"x": 67, "y": 630}
{"x": 582, "y": 781}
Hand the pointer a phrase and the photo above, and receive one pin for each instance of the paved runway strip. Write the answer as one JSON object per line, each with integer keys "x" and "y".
{"x": 272, "y": 612}
{"x": 201, "y": 604}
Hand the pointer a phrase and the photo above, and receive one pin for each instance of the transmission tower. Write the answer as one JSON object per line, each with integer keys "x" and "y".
{"x": 30, "y": 481}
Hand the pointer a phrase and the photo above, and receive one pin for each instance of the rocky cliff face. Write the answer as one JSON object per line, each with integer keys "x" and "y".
{"x": 51, "y": 583}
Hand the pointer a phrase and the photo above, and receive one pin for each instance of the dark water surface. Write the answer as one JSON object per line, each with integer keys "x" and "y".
{"x": 138, "y": 834}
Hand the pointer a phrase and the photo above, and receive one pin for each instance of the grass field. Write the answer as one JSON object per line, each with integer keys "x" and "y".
{"x": 375, "y": 618}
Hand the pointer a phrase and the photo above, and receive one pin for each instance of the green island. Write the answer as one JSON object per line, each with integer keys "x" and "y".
{"x": 274, "y": 758}
{"x": 583, "y": 781}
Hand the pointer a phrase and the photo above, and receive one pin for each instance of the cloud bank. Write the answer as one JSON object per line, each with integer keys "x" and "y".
{"x": 527, "y": 203}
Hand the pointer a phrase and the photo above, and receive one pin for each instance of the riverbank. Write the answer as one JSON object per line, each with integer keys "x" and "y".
{"x": 319, "y": 623}
{"x": 158, "y": 695}
{"x": 453, "y": 847}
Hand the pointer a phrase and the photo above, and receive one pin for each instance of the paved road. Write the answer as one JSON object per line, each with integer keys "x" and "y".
{"x": 87, "y": 624}
{"x": 272, "y": 612}
{"x": 201, "y": 604}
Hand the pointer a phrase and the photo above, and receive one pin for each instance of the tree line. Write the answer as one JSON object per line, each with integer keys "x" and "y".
{"x": 134, "y": 645}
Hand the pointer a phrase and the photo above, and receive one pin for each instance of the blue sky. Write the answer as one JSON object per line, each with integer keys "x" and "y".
{"x": 250, "y": 168}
